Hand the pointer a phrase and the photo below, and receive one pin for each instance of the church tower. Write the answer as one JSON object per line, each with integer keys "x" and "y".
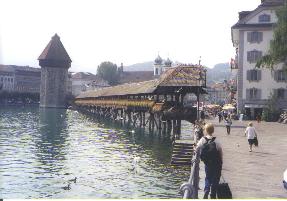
{"x": 157, "y": 66}
{"x": 167, "y": 64}
{"x": 54, "y": 62}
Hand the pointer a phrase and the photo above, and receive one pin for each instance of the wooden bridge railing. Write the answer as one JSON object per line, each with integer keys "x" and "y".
{"x": 190, "y": 189}
{"x": 117, "y": 103}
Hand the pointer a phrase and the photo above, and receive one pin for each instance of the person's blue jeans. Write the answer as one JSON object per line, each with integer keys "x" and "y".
{"x": 285, "y": 184}
{"x": 211, "y": 180}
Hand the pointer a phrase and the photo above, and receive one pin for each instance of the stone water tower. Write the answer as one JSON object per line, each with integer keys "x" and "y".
{"x": 54, "y": 62}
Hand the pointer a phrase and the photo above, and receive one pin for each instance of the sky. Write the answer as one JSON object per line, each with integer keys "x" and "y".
{"x": 120, "y": 31}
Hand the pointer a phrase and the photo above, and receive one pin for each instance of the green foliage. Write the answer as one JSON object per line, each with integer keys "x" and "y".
{"x": 278, "y": 46}
{"x": 271, "y": 113}
{"x": 108, "y": 71}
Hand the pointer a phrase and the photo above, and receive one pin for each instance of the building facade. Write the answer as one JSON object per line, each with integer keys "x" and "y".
{"x": 217, "y": 94}
{"x": 23, "y": 79}
{"x": 251, "y": 37}
{"x": 84, "y": 81}
{"x": 7, "y": 78}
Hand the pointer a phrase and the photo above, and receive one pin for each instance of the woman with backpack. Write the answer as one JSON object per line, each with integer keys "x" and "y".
{"x": 210, "y": 151}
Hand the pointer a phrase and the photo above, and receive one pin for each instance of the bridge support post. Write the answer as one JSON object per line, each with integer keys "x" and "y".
{"x": 159, "y": 122}
{"x": 143, "y": 119}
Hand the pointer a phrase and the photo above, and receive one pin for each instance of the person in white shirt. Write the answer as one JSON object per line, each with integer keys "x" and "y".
{"x": 250, "y": 132}
{"x": 214, "y": 167}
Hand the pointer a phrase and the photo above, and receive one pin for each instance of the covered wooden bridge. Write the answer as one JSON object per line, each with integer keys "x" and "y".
{"x": 157, "y": 103}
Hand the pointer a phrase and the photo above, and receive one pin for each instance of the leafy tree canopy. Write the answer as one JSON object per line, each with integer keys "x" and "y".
{"x": 108, "y": 71}
{"x": 278, "y": 46}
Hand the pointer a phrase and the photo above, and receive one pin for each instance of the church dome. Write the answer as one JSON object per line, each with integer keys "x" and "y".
{"x": 158, "y": 60}
{"x": 168, "y": 62}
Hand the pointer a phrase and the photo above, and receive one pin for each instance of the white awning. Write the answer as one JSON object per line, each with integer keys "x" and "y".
{"x": 255, "y": 106}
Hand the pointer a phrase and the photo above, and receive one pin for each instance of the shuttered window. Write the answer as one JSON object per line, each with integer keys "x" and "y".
{"x": 280, "y": 93}
{"x": 253, "y": 94}
{"x": 254, "y": 37}
{"x": 253, "y": 56}
{"x": 280, "y": 76}
{"x": 254, "y": 75}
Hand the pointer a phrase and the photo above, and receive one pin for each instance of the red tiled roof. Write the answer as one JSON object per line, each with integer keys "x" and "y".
{"x": 55, "y": 51}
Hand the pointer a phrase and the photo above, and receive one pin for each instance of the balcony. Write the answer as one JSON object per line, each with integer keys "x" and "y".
{"x": 234, "y": 63}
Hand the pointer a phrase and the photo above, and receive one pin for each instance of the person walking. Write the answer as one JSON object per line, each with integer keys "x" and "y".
{"x": 219, "y": 117}
{"x": 285, "y": 179}
{"x": 228, "y": 124}
{"x": 198, "y": 132}
{"x": 251, "y": 134}
{"x": 210, "y": 151}
{"x": 258, "y": 118}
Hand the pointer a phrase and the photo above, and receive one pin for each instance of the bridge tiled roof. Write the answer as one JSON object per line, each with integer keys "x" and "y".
{"x": 146, "y": 87}
{"x": 182, "y": 76}
{"x": 176, "y": 77}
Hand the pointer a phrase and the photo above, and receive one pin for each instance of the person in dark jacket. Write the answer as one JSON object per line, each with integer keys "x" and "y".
{"x": 213, "y": 169}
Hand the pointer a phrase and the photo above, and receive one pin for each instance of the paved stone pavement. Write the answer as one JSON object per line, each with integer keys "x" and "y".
{"x": 257, "y": 174}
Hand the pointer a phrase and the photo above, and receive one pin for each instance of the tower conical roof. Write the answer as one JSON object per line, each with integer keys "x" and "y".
{"x": 55, "y": 55}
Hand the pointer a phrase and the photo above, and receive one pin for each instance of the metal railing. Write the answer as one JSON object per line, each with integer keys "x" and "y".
{"x": 190, "y": 189}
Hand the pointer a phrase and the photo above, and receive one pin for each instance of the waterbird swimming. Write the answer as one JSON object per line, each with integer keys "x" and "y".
{"x": 67, "y": 187}
{"x": 73, "y": 180}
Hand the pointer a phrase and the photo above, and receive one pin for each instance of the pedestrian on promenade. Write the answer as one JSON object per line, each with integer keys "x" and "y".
{"x": 258, "y": 118}
{"x": 285, "y": 179}
{"x": 210, "y": 151}
{"x": 219, "y": 116}
{"x": 228, "y": 124}
{"x": 251, "y": 134}
{"x": 202, "y": 115}
{"x": 198, "y": 131}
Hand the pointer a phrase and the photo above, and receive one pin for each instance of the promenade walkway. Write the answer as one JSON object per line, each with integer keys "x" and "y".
{"x": 256, "y": 174}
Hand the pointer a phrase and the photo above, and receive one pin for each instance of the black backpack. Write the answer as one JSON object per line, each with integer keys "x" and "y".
{"x": 209, "y": 153}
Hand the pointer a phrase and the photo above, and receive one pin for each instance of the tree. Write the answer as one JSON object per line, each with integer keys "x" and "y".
{"x": 271, "y": 113}
{"x": 278, "y": 46}
{"x": 108, "y": 71}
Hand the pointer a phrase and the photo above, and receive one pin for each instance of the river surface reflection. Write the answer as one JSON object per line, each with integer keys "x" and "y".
{"x": 42, "y": 149}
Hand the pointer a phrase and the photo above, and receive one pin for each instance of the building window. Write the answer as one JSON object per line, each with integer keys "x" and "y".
{"x": 253, "y": 56}
{"x": 264, "y": 18}
{"x": 253, "y": 94}
{"x": 280, "y": 93}
{"x": 156, "y": 71}
{"x": 280, "y": 76}
{"x": 254, "y": 75}
{"x": 254, "y": 37}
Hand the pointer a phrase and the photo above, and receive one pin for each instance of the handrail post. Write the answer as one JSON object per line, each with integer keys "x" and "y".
{"x": 190, "y": 189}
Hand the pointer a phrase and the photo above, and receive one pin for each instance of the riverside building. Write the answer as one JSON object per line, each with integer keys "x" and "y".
{"x": 251, "y": 37}
{"x": 22, "y": 79}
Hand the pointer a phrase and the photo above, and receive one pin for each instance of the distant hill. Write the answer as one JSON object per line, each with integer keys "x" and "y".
{"x": 218, "y": 73}
{"x": 145, "y": 66}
